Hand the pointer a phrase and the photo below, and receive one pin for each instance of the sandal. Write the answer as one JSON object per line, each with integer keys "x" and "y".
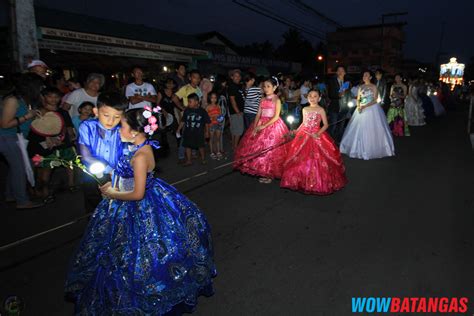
{"x": 203, "y": 162}
{"x": 187, "y": 164}
{"x": 29, "y": 205}
{"x": 265, "y": 180}
{"x": 219, "y": 156}
{"x": 213, "y": 156}
{"x": 49, "y": 199}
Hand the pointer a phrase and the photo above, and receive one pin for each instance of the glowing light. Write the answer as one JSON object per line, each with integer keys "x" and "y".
{"x": 320, "y": 57}
{"x": 435, "y": 93}
{"x": 452, "y": 73}
{"x": 379, "y": 99}
{"x": 290, "y": 119}
{"x": 165, "y": 69}
{"x": 1, "y": 77}
{"x": 97, "y": 169}
{"x": 350, "y": 104}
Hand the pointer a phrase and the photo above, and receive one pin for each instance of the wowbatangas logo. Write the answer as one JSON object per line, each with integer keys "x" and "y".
{"x": 409, "y": 305}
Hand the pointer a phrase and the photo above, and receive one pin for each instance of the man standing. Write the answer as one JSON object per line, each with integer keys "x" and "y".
{"x": 382, "y": 88}
{"x": 339, "y": 95}
{"x": 140, "y": 93}
{"x": 179, "y": 76}
{"x": 236, "y": 107}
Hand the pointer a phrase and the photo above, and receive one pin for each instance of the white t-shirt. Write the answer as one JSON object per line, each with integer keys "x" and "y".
{"x": 304, "y": 90}
{"x": 144, "y": 89}
{"x": 76, "y": 98}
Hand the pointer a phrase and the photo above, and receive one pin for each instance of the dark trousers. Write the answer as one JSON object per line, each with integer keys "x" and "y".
{"x": 248, "y": 119}
{"x": 92, "y": 196}
{"x": 337, "y": 125}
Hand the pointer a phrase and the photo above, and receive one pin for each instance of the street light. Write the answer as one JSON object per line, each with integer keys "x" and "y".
{"x": 320, "y": 57}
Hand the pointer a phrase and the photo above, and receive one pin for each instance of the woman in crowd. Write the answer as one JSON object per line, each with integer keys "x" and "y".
{"x": 396, "y": 113}
{"x": 413, "y": 106}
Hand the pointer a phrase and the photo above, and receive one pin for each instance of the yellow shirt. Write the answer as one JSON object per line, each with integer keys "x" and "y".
{"x": 185, "y": 91}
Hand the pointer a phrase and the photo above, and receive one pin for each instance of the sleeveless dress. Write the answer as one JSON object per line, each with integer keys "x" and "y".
{"x": 313, "y": 165}
{"x": 263, "y": 155}
{"x": 146, "y": 257}
{"x": 396, "y": 113}
{"x": 414, "y": 109}
{"x": 367, "y": 135}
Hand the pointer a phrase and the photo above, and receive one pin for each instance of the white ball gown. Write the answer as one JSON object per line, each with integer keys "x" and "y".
{"x": 368, "y": 135}
{"x": 415, "y": 115}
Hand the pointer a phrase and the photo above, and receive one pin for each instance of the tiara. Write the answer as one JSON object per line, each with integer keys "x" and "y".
{"x": 276, "y": 80}
{"x": 151, "y": 127}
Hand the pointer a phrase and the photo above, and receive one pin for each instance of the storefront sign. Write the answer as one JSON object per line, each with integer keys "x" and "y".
{"x": 243, "y": 61}
{"x": 79, "y": 36}
{"x": 110, "y": 50}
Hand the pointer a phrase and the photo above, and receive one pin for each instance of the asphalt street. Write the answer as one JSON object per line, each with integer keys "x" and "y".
{"x": 403, "y": 226}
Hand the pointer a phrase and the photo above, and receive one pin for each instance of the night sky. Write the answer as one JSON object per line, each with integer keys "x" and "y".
{"x": 244, "y": 26}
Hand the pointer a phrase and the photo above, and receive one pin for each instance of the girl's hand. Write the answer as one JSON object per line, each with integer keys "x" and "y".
{"x": 259, "y": 128}
{"x": 316, "y": 135}
{"x": 105, "y": 187}
{"x": 109, "y": 192}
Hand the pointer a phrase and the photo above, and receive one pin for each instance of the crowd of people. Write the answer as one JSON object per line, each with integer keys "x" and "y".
{"x": 281, "y": 127}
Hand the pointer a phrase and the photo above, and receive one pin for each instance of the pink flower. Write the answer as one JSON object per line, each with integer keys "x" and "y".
{"x": 147, "y": 129}
{"x": 37, "y": 159}
{"x": 154, "y": 127}
{"x": 146, "y": 107}
{"x": 156, "y": 109}
{"x": 152, "y": 120}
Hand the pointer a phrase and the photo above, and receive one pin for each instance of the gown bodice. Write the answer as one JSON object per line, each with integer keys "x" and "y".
{"x": 366, "y": 95}
{"x": 312, "y": 121}
{"x": 124, "y": 169}
{"x": 268, "y": 107}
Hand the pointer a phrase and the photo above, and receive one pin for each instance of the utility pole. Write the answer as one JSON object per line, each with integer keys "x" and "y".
{"x": 440, "y": 47}
{"x": 23, "y": 33}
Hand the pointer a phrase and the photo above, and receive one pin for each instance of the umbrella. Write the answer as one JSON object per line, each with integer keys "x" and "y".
{"x": 22, "y": 144}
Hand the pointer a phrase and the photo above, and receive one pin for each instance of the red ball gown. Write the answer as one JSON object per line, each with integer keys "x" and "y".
{"x": 269, "y": 142}
{"x": 313, "y": 165}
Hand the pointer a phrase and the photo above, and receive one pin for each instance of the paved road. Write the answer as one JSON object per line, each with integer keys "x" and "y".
{"x": 402, "y": 227}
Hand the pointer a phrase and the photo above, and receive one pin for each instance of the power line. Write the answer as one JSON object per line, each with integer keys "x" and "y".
{"x": 278, "y": 19}
{"x": 315, "y": 12}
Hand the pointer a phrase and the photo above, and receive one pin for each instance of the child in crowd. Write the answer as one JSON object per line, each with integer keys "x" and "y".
{"x": 313, "y": 164}
{"x": 268, "y": 132}
{"x": 99, "y": 141}
{"x": 85, "y": 112}
{"x": 49, "y": 138}
{"x": 216, "y": 127}
{"x": 195, "y": 122}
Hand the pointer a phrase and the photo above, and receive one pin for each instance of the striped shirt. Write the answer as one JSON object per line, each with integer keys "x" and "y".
{"x": 253, "y": 95}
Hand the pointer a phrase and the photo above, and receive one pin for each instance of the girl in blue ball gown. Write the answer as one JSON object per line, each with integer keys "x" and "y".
{"x": 147, "y": 249}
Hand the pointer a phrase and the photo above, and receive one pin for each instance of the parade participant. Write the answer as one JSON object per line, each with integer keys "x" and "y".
{"x": 413, "y": 106}
{"x": 367, "y": 136}
{"x": 268, "y": 131}
{"x": 216, "y": 127}
{"x": 381, "y": 84}
{"x": 396, "y": 117}
{"x": 49, "y": 138}
{"x": 313, "y": 164}
{"x": 99, "y": 141}
{"x": 195, "y": 122}
{"x": 147, "y": 249}
{"x": 140, "y": 93}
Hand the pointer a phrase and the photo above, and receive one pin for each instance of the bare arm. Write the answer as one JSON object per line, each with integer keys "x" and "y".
{"x": 177, "y": 102}
{"x": 233, "y": 103}
{"x": 10, "y": 106}
{"x": 325, "y": 122}
{"x": 140, "y": 169}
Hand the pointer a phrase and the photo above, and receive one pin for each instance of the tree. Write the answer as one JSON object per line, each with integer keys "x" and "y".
{"x": 262, "y": 50}
{"x": 296, "y": 48}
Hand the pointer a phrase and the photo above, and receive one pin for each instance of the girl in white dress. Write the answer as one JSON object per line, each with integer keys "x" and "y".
{"x": 413, "y": 106}
{"x": 367, "y": 135}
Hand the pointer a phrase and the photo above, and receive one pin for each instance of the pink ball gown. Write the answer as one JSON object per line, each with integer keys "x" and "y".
{"x": 270, "y": 163}
{"x": 313, "y": 165}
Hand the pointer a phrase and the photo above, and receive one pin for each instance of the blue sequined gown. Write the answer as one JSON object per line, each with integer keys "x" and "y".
{"x": 146, "y": 257}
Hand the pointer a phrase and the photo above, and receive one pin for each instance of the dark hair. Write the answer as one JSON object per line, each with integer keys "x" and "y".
{"x": 56, "y": 77}
{"x": 340, "y": 66}
{"x": 84, "y": 104}
{"x": 51, "y": 90}
{"x": 380, "y": 71}
{"x": 274, "y": 81}
{"x": 136, "y": 120}
{"x": 73, "y": 80}
{"x": 249, "y": 76}
{"x": 177, "y": 65}
{"x": 136, "y": 67}
{"x": 210, "y": 94}
{"x": 28, "y": 87}
{"x": 194, "y": 71}
{"x": 168, "y": 80}
{"x": 315, "y": 90}
{"x": 398, "y": 74}
{"x": 113, "y": 99}
{"x": 193, "y": 96}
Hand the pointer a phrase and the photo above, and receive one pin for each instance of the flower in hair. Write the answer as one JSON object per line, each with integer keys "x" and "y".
{"x": 152, "y": 120}
{"x": 147, "y": 114}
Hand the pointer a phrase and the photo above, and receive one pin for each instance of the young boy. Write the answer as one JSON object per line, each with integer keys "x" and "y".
{"x": 196, "y": 128}
{"x": 85, "y": 112}
{"x": 99, "y": 141}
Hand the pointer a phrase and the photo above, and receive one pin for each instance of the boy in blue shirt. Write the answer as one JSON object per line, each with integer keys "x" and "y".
{"x": 99, "y": 141}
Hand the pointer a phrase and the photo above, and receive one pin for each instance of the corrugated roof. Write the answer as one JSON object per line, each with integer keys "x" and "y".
{"x": 88, "y": 24}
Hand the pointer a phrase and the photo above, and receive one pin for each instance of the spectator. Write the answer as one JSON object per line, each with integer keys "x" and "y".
{"x": 85, "y": 113}
{"x": 89, "y": 93}
{"x": 252, "y": 97}
{"x": 236, "y": 107}
{"x": 38, "y": 67}
{"x": 140, "y": 93}
{"x": 17, "y": 111}
{"x": 179, "y": 77}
